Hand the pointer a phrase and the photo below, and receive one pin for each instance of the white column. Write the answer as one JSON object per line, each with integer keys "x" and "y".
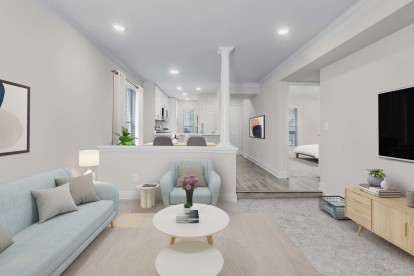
{"x": 225, "y": 96}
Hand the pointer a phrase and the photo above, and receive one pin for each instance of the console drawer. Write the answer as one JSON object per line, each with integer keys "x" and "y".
{"x": 358, "y": 208}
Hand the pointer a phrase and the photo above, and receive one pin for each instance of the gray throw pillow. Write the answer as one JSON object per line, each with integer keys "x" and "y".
{"x": 197, "y": 171}
{"x": 53, "y": 202}
{"x": 81, "y": 188}
{"x": 5, "y": 239}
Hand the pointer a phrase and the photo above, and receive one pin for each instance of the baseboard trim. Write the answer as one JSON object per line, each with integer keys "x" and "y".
{"x": 278, "y": 174}
{"x": 130, "y": 195}
{"x": 228, "y": 197}
{"x": 321, "y": 186}
{"x": 134, "y": 195}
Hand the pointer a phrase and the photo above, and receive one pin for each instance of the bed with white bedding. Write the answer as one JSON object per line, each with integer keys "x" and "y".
{"x": 309, "y": 150}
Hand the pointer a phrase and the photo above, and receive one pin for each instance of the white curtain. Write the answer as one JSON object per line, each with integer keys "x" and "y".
{"x": 119, "y": 106}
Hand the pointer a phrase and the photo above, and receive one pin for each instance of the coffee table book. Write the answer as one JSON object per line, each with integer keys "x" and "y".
{"x": 192, "y": 217}
{"x": 378, "y": 191}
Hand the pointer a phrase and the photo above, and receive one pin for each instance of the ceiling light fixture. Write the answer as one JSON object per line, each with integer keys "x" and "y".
{"x": 179, "y": 88}
{"x": 283, "y": 31}
{"x": 184, "y": 94}
{"x": 198, "y": 88}
{"x": 174, "y": 72}
{"x": 119, "y": 27}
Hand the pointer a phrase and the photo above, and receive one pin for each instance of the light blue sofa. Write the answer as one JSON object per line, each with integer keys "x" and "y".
{"x": 49, "y": 248}
{"x": 207, "y": 195}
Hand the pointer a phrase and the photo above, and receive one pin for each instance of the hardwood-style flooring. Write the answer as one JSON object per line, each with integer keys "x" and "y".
{"x": 255, "y": 182}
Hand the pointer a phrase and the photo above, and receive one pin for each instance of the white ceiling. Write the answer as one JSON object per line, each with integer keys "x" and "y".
{"x": 185, "y": 34}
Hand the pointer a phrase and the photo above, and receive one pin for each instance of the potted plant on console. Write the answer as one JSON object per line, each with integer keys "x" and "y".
{"x": 375, "y": 177}
{"x": 188, "y": 183}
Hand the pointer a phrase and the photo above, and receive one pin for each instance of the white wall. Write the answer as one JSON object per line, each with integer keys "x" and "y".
{"x": 71, "y": 88}
{"x": 149, "y": 111}
{"x": 349, "y": 91}
{"x": 270, "y": 153}
{"x": 306, "y": 99}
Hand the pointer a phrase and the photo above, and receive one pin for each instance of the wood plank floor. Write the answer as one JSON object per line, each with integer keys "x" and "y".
{"x": 255, "y": 182}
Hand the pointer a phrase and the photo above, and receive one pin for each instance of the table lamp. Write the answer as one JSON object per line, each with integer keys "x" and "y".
{"x": 89, "y": 158}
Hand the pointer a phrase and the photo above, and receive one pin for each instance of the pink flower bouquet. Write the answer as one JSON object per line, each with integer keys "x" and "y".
{"x": 189, "y": 182}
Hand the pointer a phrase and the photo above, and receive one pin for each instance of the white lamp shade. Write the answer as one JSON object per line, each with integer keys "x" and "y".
{"x": 88, "y": 158}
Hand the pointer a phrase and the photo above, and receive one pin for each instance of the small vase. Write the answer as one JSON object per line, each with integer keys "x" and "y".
{"x": 375, "y": 181}
{"x": 189, "y": 194}
{"x": 187, "y": 210}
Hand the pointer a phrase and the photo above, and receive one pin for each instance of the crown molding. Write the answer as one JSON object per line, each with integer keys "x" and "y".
{"x": 358, "y": 11}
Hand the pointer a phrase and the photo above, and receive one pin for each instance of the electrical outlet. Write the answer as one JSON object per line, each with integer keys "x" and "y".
{"x": 135, "y": 177}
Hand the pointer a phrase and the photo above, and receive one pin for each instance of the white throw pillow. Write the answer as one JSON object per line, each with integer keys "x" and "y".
{"x": 53, "y": 202}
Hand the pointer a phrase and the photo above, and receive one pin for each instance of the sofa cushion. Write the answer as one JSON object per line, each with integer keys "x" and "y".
{"x": 197, "y": 171}
{"x": 200, "y": 195}
{"x": 53, "y": 202}
{"x": 5, "y": 239}
{"x": 41, "y": 248}
{"x": 81, "y": 188}
{"x": 18, "y": 208}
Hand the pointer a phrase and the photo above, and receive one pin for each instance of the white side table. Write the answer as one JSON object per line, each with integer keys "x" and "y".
{"x": 189, "y": 258}
{"x": 147, "y": 195}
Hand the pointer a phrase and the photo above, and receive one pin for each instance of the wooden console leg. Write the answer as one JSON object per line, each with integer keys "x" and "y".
{"x": 172, "y": 240}
{"x": 210, "y": 240}
{"x": 360, "y": 228}
{"x": 112, "y": 224}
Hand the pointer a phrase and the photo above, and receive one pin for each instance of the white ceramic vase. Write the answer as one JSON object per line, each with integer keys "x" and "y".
{"x": 385, "y": 184}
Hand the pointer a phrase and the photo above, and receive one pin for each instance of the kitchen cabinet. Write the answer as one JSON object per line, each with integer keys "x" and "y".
{"x": 161, "y": 102}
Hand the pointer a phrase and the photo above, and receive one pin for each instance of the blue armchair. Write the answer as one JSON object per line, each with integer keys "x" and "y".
{"x": 207, "y": 195}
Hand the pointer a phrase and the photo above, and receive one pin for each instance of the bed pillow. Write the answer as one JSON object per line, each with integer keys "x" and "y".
{"x": 81, "y": 188}
{"x": 53, "y": 202}
{"x": 197, "y": 171}
{"x": 5, "y": 239}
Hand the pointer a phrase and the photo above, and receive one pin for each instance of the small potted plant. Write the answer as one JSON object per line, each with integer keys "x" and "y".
{"x": 187, "y": 208}
{"x": 125, "y": 138}
{"x": 375, "y": 177}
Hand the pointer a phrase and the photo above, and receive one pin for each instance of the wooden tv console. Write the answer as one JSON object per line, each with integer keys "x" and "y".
{"x": 389, "y": 218}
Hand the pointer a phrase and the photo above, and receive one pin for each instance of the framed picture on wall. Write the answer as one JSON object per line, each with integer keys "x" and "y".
{"x": 257, "y": 127}
{"x": 14, "y": 118}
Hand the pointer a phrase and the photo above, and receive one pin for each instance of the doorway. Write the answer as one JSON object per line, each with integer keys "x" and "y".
{"x": 303, "y": 128}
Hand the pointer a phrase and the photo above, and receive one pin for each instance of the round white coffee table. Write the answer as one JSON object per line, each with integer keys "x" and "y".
{"x": 212, "y": 220}
{"x": 147, "y": 195}
{"x": 189, "y": 258}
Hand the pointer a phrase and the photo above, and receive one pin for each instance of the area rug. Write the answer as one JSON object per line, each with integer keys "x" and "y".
{"x": 252, "y": 244}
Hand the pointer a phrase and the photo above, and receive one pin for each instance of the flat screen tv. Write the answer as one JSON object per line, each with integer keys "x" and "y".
{"x": 396, "y": 124}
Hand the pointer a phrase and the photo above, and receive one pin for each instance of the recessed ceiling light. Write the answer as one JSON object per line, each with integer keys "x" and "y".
{"x": 283, "y": 31}
{"x": 198, "y": 88}
{"x": 185, "y": 94}
{"x": 179, "y": 88}
{"x": 187, "y": 99}
{"x": 174, "y": 72}
{"x": 119, "y": 27}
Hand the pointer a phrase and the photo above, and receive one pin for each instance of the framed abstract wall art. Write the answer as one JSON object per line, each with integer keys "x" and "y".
{"x": 257, "y": 127}
{"x": 14, "y": 118}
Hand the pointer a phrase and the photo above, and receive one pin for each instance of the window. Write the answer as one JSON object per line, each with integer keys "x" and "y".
{"x": 293, "y": 126}
{"x": 131, "y": 110}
